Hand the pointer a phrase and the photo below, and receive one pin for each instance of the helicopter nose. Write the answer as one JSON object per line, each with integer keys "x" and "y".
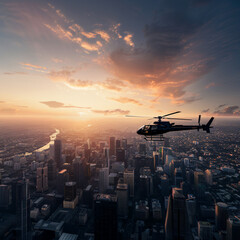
{"x": 139, "y": 131}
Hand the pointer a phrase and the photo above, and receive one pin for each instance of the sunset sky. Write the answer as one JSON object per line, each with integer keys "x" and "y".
{"x": 91, "y": 58}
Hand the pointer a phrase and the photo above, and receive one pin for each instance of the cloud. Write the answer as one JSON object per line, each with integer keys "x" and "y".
{"x": 15, "y": 73}
{"x": 175, "y": 54}
{"x": 33, "y": 67}
{"x": 229, "y": 111}
{"x": 57, "y": 60}
{"x": 62, "y": 75}
{"x": 127, "y": 100}
{"x": 205, "y": 110}
{"x": 112, "y": 112}
{"x": 221, "y": 105}
{"x": 212, "y": 84}
{"x": 91, "y": 46}
{"x": 128, "y": 40}
{"x": 66, "y": 76}
{"x": 55, "y": 104}
{"x": 115, "y": 29}
{"x": 2, "y": 102}
{"x": 185, "y": 100}
{"x": 113, "y": 84}
{"x": 104, "y": 35}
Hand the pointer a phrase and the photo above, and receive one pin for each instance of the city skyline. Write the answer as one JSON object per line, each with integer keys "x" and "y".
{"x": 82, "y": 60}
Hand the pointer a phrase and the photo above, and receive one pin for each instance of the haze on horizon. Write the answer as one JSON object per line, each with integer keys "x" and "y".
{"x": 76, "y": 60}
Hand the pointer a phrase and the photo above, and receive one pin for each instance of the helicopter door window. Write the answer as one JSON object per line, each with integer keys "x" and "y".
{"x": 154, "y": 128}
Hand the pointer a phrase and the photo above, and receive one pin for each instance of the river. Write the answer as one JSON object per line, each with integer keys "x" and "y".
{"x": 47, "y": 146}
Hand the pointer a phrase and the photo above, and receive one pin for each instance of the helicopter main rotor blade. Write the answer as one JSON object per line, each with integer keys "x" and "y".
{"x": 180, "y": 119}
{"x": 171, "y": 114}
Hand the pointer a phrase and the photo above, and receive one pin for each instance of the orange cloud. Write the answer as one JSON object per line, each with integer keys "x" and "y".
{"x": 66, "y": 76}
{"x": 33, "y": 66}
{"x": 112, "y": 112}
{"x": 55, "y": 104}
{"x": 104, "y": 35}
{"x": 115, "y": 29}
{"x": 127, "y": 100}
{"x": 91, "y": 46}
{"x": 128, "y": 40}
{"x": 88, "y": 34}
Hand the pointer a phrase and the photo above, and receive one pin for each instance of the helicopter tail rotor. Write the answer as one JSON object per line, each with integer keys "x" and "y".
{"x": 208, "y": 125}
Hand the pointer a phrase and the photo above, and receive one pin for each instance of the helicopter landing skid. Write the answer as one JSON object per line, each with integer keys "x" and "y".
{"x": 156, "y": 138}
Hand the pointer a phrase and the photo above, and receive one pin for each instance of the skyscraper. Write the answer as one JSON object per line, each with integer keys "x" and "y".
{"x": 105, "y": 217}
{"x": 233, "y": 228}
{"x": 205, "y": 231}
{"x": 70, "y": 195}
{"x": 128, "y": 177}
{"x": 112, "y": 149}
{"x": 21, "y": 205}
{"x": 221, "y": 215}
{"x": 208, "y": 177}
{"x": 42, "y": 179}
{"x": 103, "y": 179}
{"x": 51, "y": 170}
{"x": 5, "y": 196}
{"x": 78, "y": 173}
{"x": 122, "y": 200}
{"x": 58, "y": 153}
{"x": 199, "y": 178}
{"x": 120, "y": 155}
{"x": 118, "y": 144}
{"x": 62, "y": 178}
{"x": 178, "y": 176}
{"x": 176, "y": 223}
{"x": 107, "y": 158}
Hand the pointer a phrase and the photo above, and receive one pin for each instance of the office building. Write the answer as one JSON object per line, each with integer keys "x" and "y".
{"x": 58, "y": 153}
{"x": 70, "y": 195}
{"x": 205, "y": 230}
{"x": 42, "y": 179}
{"x": 208, "y": 177}
{"x": 199, "y": 178}
{"x": 176, "y": 223}
{"x": 122, "y": 200}
{"x": 233, "y": 228}
{"x": 103, "y": 179}
{"x": 107, "y": 158}
{"x": 52, "y": 172}
{"x": 178, "y": 177}
{"x": 118, "y": 144}
{"x": 5, "y": 196}
{"x": 221, "y": 215}
{"x": 112, "y": 149}
{"x": 62, "y": 178}
{"x": 128, "y": 178}
{"x": 105, "y": 217}
{"x": 120, "y": 156}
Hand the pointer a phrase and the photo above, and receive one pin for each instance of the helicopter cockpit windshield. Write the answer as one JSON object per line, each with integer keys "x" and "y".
{"x": 146, "y": 127}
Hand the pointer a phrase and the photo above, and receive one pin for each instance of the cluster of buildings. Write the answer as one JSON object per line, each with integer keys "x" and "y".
{"x": 185, "y": 188}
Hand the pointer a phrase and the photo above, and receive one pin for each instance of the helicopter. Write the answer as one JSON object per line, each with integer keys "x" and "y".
{"x": 155, "y": 131}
